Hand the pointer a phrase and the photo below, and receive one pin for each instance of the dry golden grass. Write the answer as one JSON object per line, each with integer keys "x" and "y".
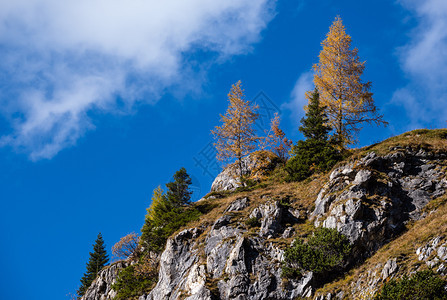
{"x": 433, "y": 140}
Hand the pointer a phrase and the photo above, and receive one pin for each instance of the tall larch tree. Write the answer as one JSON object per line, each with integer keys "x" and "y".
{"x": 98, "y": 259}
{"x": 236, "y": 137}
{"x": 348, "y": 100}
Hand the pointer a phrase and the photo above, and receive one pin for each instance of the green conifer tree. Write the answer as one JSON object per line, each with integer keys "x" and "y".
{"x": 98, "y": 259}
{"x": 316, "y": 153}
{"x": 178, "y": 192}
{"x": 168, "y": 212}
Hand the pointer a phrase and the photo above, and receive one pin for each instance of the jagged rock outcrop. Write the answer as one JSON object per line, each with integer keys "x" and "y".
{"x": 255, "y": 165}
{"x": 434, "y": 254}
{"x": 371, "y": 199}
{"x": 230, "y": 265}
{"x": 101, "y": 288}
{"x": 179, "y": 272}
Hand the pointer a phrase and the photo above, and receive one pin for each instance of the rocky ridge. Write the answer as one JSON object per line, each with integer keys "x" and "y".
{"x": 101, "y": 287}
{"x": 372, "y": 200}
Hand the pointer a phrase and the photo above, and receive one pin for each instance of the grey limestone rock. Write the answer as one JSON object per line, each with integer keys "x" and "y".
{"x": 176, "y": 264}
{"x": 101, "y": 288}
{"x": 288, "y": 233}
{"x": 434, "y": 253}
{"x": 272, "y": 215}
{"x": 389, "y": 269}
{"x": 238, "y": 204}
{"x": 228, "y": 179}
{"x": 347, "y": 202}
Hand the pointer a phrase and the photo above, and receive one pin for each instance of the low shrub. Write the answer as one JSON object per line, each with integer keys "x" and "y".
{"x": 155, "y": 234}
{"x": 421, "y": 285}
{"x": 136, "y": 280}
{"x": 325, "y": 252}
{"x": 253, "y": 222}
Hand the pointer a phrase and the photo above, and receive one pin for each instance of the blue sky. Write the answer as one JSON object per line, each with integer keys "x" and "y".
{"x": 102, "y": 101}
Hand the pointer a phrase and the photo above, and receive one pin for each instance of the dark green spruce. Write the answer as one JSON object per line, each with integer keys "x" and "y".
{"x": 98, "y": 259}
{"x": 178, "y": 190}
{"x": 316, "y": 153}
{"x": 173, "y": 212}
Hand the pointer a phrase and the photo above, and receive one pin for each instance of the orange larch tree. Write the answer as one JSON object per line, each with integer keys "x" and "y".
{"x": 348, "y": 100}
{"x": 236, "y": 137}
{"x": 276, "y": 140}
{"x": 126, "y": 246}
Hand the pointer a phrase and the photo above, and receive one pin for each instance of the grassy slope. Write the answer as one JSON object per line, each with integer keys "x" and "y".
{"x": 301, "y": 195}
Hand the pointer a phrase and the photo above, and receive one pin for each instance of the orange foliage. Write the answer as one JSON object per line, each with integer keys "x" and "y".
{"x": 348, "y": 100}
{"x": 276, "y": 140}
{"x": 126, "y": 246}
{"x": 236, "y": 137}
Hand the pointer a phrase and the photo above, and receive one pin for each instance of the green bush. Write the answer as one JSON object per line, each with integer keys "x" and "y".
{"x": 421, "y": 285}
{"x": 130, "y": 285}
{"x": 155, "y": 234}
{"x": 311, "y": 156}
{"x": 325, "y": 252}
{"x": 168, "y": 212}
{"x": 253, "y": 222}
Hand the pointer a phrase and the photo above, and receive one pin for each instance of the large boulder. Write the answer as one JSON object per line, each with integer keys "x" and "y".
{"x": 255, "y": 166}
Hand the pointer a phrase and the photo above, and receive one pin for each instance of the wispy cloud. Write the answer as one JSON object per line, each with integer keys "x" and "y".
{"x": 298, "y": 99}
{"x": 424, "y": 60}
{"x": 62, "y": 59}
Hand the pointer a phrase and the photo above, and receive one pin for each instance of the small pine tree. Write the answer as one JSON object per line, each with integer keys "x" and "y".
{"x": 98, "y": 259}
{"x": 316, "y": 153}
{"x": 178, "y": 192}
{"x": 314, "y": 124}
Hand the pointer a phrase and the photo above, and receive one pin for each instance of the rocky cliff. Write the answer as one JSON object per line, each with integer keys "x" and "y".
{"x": 388, "y": 199}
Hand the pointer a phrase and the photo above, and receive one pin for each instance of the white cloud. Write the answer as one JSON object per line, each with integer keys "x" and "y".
{"x": 62, "y": 59}
{"x": 424, "y": 60}
{"x": 297, "y": 97}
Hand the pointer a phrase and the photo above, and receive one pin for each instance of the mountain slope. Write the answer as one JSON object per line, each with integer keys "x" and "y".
{"x": 389, "y": 199}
